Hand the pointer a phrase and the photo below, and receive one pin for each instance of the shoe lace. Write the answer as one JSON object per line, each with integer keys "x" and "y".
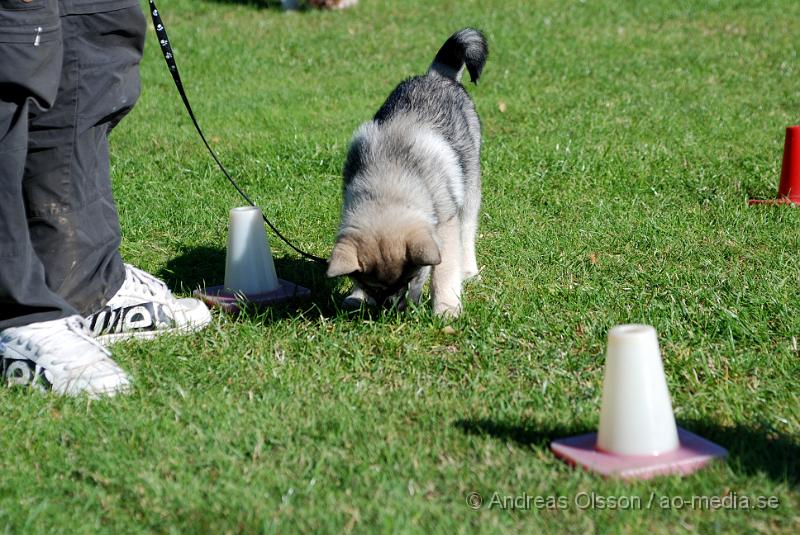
{"x": 53, "y": 342}
{"x": 144, "y": 283}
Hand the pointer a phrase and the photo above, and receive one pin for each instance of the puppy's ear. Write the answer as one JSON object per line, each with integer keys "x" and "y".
{"x": 422, "y": 248}
{"x": 344, "y": 259}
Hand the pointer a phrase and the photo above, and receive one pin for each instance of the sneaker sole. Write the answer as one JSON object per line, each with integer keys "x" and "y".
{"x": 112, "y": 338}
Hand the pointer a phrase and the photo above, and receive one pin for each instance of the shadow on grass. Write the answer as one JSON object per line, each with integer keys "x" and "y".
{"x": 195, "y": 267}
{"x": 204, "y": 266}
{"x": 751, "y": 450}
{"x": 531, "y": 435}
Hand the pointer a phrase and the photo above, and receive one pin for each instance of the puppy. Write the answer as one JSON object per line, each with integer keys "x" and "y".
{"x": 412, "y": 188}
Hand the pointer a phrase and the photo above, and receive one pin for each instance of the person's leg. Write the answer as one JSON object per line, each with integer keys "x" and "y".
{"x": 43, "y": 339}
{"x": 31, "y": 52}
{"x": 74, "y": 224}
{"x": 71, "y": 212}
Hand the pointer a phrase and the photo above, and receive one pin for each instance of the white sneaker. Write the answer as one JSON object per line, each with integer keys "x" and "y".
{"x": 60, "y": 355}
{"x": 145, "y": 308}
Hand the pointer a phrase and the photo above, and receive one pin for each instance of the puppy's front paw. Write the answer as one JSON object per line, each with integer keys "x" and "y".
{"x": 447, "y": 310}
{"x": 472, "y": 275}
{"x": 469, "y": 268}
{"x": 357, "y": 299}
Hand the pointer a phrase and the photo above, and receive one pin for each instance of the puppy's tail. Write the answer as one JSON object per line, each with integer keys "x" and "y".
{"x": 465, "y": 47}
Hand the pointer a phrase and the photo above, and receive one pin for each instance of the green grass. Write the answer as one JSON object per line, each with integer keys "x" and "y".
{"x": 615, "y": 188}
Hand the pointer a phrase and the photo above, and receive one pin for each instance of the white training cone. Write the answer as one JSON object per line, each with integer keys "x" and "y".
{"x": 636, "y": 412}
{"x": 637, "y": 437}
{"x": 250, "y": 277}
{"x": 249, "y": 268}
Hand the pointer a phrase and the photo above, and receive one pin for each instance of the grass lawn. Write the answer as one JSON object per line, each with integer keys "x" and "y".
{"x": 621, "y": 143}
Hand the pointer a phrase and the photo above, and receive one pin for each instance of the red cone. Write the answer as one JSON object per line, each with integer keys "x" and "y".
{"x": 789, "y": 188}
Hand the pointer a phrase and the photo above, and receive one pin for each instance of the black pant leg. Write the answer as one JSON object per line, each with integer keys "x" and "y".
{"x": 73, "y": 220}
{"x": 30, "y": 66}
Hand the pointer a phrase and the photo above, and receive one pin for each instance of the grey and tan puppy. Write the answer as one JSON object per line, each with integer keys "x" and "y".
{"x": 412, "y": 187}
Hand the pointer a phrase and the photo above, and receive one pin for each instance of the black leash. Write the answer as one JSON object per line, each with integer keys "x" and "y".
{"x": 166, "y": 49}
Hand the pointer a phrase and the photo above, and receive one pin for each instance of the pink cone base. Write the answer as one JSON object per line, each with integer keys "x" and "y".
{"x": 693, "y": 453}
{"x": 218, "y": 296}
